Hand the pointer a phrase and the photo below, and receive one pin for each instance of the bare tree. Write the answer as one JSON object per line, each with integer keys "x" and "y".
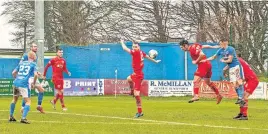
{"x": 19, "y": 13}
{"x": 245, "y": 22}
{"x": 72, "y": 22}
{"x": 149, "y": 19}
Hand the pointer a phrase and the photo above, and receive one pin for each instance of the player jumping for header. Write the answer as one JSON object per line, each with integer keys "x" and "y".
{"x": 204, "y": 69}
{"x": 136, "y": 78}
{"x": 58, "y": 67}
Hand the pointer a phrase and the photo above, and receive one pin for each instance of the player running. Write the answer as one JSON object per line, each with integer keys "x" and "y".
{"x": 229, "y": 57}
{"x": 58, "y": 67}
{"x": 204, "y": 68}
{"x": 40, "y": 89}
{"x": 136, "y": 78}
{"x": 22, "y": 74}
{"x": 251, "y": 83}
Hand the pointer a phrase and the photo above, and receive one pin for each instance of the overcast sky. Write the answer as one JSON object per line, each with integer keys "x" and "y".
{"x": 5, "y": 29}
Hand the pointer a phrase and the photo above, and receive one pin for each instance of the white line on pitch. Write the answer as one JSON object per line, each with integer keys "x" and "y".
{"x": 156, "y": 121}
{"x": 84, "y": 122}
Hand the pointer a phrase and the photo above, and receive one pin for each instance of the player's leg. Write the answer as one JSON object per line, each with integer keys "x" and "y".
{"x": 30, "y": 81}
{"x": 198, "y": 75}
{"x": 239, "y": 90}
{"x": 12, "y": 108}
{"x": 213, "y": 86}
{"x": 13, "y": 104}
{"x": 40, "y": 97}
{"x": 26, "y": 110}
{"x": 61, "y": 97}
{"x": 197, "y": 83}
{"x": 24, "y": 92}
{"x": 137, "y": 88}
{"x": 22, "y": 105}
{"x": 250, "y": 86}
{"x": 237, "y": 82}
{"x": 56, "y": 97}
{"x": 60, "y": 93}
{"x": 130, "y": 82}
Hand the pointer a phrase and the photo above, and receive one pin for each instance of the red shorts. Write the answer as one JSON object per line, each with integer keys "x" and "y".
{"x": 58, "y": 84}
{"x": 251, "y": 85}
{"x": 137, "y": 80}
{"x": 204, "y": 70}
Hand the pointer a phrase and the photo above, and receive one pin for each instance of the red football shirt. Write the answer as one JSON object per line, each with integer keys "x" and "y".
{"x": 248, "y": 72}
{"x": 58, "y": 67}
{"x": 137, "y": 61}
{"x": 195, "y": 50}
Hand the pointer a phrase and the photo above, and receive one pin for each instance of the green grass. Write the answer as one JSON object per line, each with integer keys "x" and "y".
{"x": 95, "y": 115}
{"x": 263, "y": 78}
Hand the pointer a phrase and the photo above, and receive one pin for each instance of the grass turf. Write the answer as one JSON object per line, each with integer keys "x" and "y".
{"x": 98, "y": 114}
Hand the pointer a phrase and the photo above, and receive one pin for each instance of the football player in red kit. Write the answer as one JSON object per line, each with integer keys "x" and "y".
{"x": 204, "y": 68}
{"x": 58, "y": 67}
{"x": 136, "y": 78}
{"x": 251, "y": 83}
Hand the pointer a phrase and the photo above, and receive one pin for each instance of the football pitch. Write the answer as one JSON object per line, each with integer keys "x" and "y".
{"x": 107, "y": 114}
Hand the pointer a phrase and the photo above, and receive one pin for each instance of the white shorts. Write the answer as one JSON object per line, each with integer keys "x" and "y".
{"x": 31, "y": 81}
{"x": 234, "y": 74}
{"x": 17, "y": 91}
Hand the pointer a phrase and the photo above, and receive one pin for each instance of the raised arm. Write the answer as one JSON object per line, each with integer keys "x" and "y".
{"x": 208, "y": 46}
{"x": 124, "y": 46}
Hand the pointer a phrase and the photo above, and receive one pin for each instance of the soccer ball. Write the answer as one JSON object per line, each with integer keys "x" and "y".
{"x": 153, "y": 54}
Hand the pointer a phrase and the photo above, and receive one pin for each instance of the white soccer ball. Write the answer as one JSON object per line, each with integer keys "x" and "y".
{"x": 153, "y": 54}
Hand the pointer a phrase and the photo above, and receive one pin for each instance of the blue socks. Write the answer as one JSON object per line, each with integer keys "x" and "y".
{"x": 40, "y": 98}
{"x": 12, "y": 108}
{"x": 25, "y": 111}
{"x": 23, "y": 103}
{"x": 240, "y": 91}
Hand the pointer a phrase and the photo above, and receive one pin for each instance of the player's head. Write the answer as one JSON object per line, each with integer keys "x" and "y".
{"x": 33, "y": 47}
{"x": 31, "y": 56}
{"x": 184, "y": 45}
{"x": 238, "y": 53}
{"x": 59, "y": 52}
{"x": 224, "y": 42}
{"x": 136, "y": 45}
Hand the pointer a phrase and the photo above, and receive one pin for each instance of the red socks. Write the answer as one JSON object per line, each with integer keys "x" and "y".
{"x": 56, "y": 98}
{"x": 61, "y": 99}
{"x": 244, "y": 110}
{"x": 214, "y": 88}
{"x": 138, "y": 102}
